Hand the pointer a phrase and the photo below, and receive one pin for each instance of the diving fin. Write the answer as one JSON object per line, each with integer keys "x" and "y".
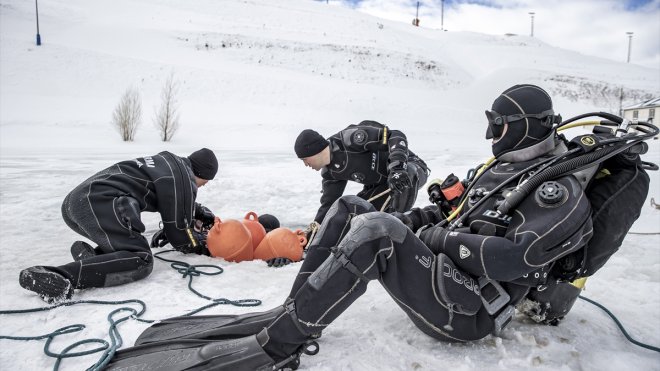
{"x": 188, "y": 354}
{"x": 213, "y": 327}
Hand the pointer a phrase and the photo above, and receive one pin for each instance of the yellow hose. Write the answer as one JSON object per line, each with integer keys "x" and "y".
{"x": 460, "y": 207}
{"x": 581, "y": 123}
{"x": 579, "y": 283}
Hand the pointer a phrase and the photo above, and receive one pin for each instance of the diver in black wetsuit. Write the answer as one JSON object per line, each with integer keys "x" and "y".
{"x": 106, "y": 209}
{"x": 368, "y": 153}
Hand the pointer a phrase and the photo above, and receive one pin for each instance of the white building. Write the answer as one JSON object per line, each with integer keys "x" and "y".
{"x": 645, "y": 111}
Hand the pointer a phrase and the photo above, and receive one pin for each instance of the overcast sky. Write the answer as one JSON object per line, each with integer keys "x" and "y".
{"x": 594, "y": 27}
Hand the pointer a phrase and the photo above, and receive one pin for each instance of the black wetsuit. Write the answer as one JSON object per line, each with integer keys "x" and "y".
{"x": 358, "y": 153}
{"x": 440, "y": 279}
{"x": 106, "y": 209}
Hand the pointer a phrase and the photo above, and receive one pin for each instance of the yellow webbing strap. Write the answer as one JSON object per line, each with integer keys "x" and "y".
{"x": 579, "y": 283}
{"x": 191, "y": 237}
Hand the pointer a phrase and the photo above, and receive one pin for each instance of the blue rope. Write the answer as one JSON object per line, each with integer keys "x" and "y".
{"x": 109, "y": 349}
{"x": 618, "y": 323}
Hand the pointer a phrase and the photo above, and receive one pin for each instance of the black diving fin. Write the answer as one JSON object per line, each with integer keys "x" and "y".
{"x": 188, "y": 354}
{"x": 213, "y": 327}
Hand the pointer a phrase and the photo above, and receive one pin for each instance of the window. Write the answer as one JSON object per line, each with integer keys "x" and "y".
{"x": 635, "y": 114}
{"x": 651, "y": 113}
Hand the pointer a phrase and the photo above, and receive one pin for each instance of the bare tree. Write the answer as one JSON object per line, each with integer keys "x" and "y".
{"x": 127, "y": 114}
{"x": 167, "y": 116}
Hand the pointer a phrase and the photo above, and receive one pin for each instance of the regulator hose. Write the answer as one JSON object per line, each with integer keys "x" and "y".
{"x": 518, "y": 194}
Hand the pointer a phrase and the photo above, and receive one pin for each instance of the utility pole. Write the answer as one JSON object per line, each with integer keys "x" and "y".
{"x": 442, "y": 15}
{"x": 630, "y": 35}
{"x": 532, "y": 16}
{"x": 416, "y": 20}
{"x": 36, "y": 5}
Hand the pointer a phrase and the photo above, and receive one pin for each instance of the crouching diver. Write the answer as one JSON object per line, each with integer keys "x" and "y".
{"x": 456, "y": 282}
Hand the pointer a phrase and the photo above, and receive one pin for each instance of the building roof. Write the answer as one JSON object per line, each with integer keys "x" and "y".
{"x": 651, "y": 103}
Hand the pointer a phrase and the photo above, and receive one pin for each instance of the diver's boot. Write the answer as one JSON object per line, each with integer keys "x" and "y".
{"x": 82, "y": 250}
{"x": 51, "y": 286}
{"x": 287, "y": 337}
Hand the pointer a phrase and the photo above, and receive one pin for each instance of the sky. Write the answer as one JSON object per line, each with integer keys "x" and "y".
{"x": 592, "y": 27}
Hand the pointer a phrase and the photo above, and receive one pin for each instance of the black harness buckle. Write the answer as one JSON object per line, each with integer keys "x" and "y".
{"x": 493, "y": 295}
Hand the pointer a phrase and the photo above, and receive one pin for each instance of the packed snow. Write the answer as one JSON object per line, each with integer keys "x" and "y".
{"x": 251, "y": 75}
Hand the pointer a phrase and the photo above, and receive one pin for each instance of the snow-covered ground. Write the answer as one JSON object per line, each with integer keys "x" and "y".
{"x": 252, "y": 74}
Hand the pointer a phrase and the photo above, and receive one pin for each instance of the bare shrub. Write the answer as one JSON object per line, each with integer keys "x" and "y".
{"x": 128, "y": 114}
{"x": 167, "y": 115}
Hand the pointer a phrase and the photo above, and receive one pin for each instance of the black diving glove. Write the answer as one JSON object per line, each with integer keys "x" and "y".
{"x": 200, "y": 248}
{"x": 205, "y": 215}
{"x": 398, "y": 179}
{"x": 278, "y": 262}
{"x": 159, "y": 239}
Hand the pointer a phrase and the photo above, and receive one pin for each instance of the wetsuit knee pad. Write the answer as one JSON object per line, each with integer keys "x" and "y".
{"x": 352, "y": 202}
{"x": 371, "y": 226}
{"x": 365, "y": 228}
{"x": 348, "y": 205}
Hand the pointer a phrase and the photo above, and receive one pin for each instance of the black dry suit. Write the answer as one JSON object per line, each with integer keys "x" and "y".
{"x": 106, "y": 209}
{"x": 362, "y": 153}
{"x": 455, "y": 286}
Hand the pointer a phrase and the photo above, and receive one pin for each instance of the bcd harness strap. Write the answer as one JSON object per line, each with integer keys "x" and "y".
{"x": 347, "y": 264}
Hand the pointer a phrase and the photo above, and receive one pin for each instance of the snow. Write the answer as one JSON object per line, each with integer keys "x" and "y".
{"x": 285, "y": 66}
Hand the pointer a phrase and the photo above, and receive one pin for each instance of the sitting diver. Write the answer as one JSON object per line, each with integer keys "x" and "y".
{"x": 457, "y": 282}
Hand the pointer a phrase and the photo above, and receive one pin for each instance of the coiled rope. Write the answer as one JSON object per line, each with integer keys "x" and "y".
{"x": 109, "y": 349}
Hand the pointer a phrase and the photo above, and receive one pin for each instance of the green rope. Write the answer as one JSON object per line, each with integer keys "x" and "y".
{"x": 618, "y": 323}
{"x": 109, "y": 349}
{"x": 191, "y": 271}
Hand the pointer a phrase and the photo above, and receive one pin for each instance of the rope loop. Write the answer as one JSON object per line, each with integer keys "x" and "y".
{"x": 110, "y": 348}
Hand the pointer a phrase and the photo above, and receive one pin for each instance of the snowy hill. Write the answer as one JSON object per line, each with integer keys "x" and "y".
{"x": 233, "y": 57}
{"x": 252, "y": 74}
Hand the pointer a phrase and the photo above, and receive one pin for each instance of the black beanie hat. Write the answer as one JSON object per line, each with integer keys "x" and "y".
{"x": 269, "y": 222}
{"x": 309, "y": 143}
{"x": 526, "y": 132}
{"x": 204, "y": 163}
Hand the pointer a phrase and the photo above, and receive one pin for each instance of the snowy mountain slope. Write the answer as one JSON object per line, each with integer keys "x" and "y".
{"x": 274, "y": 55}
{"x": 285, "y": 67}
